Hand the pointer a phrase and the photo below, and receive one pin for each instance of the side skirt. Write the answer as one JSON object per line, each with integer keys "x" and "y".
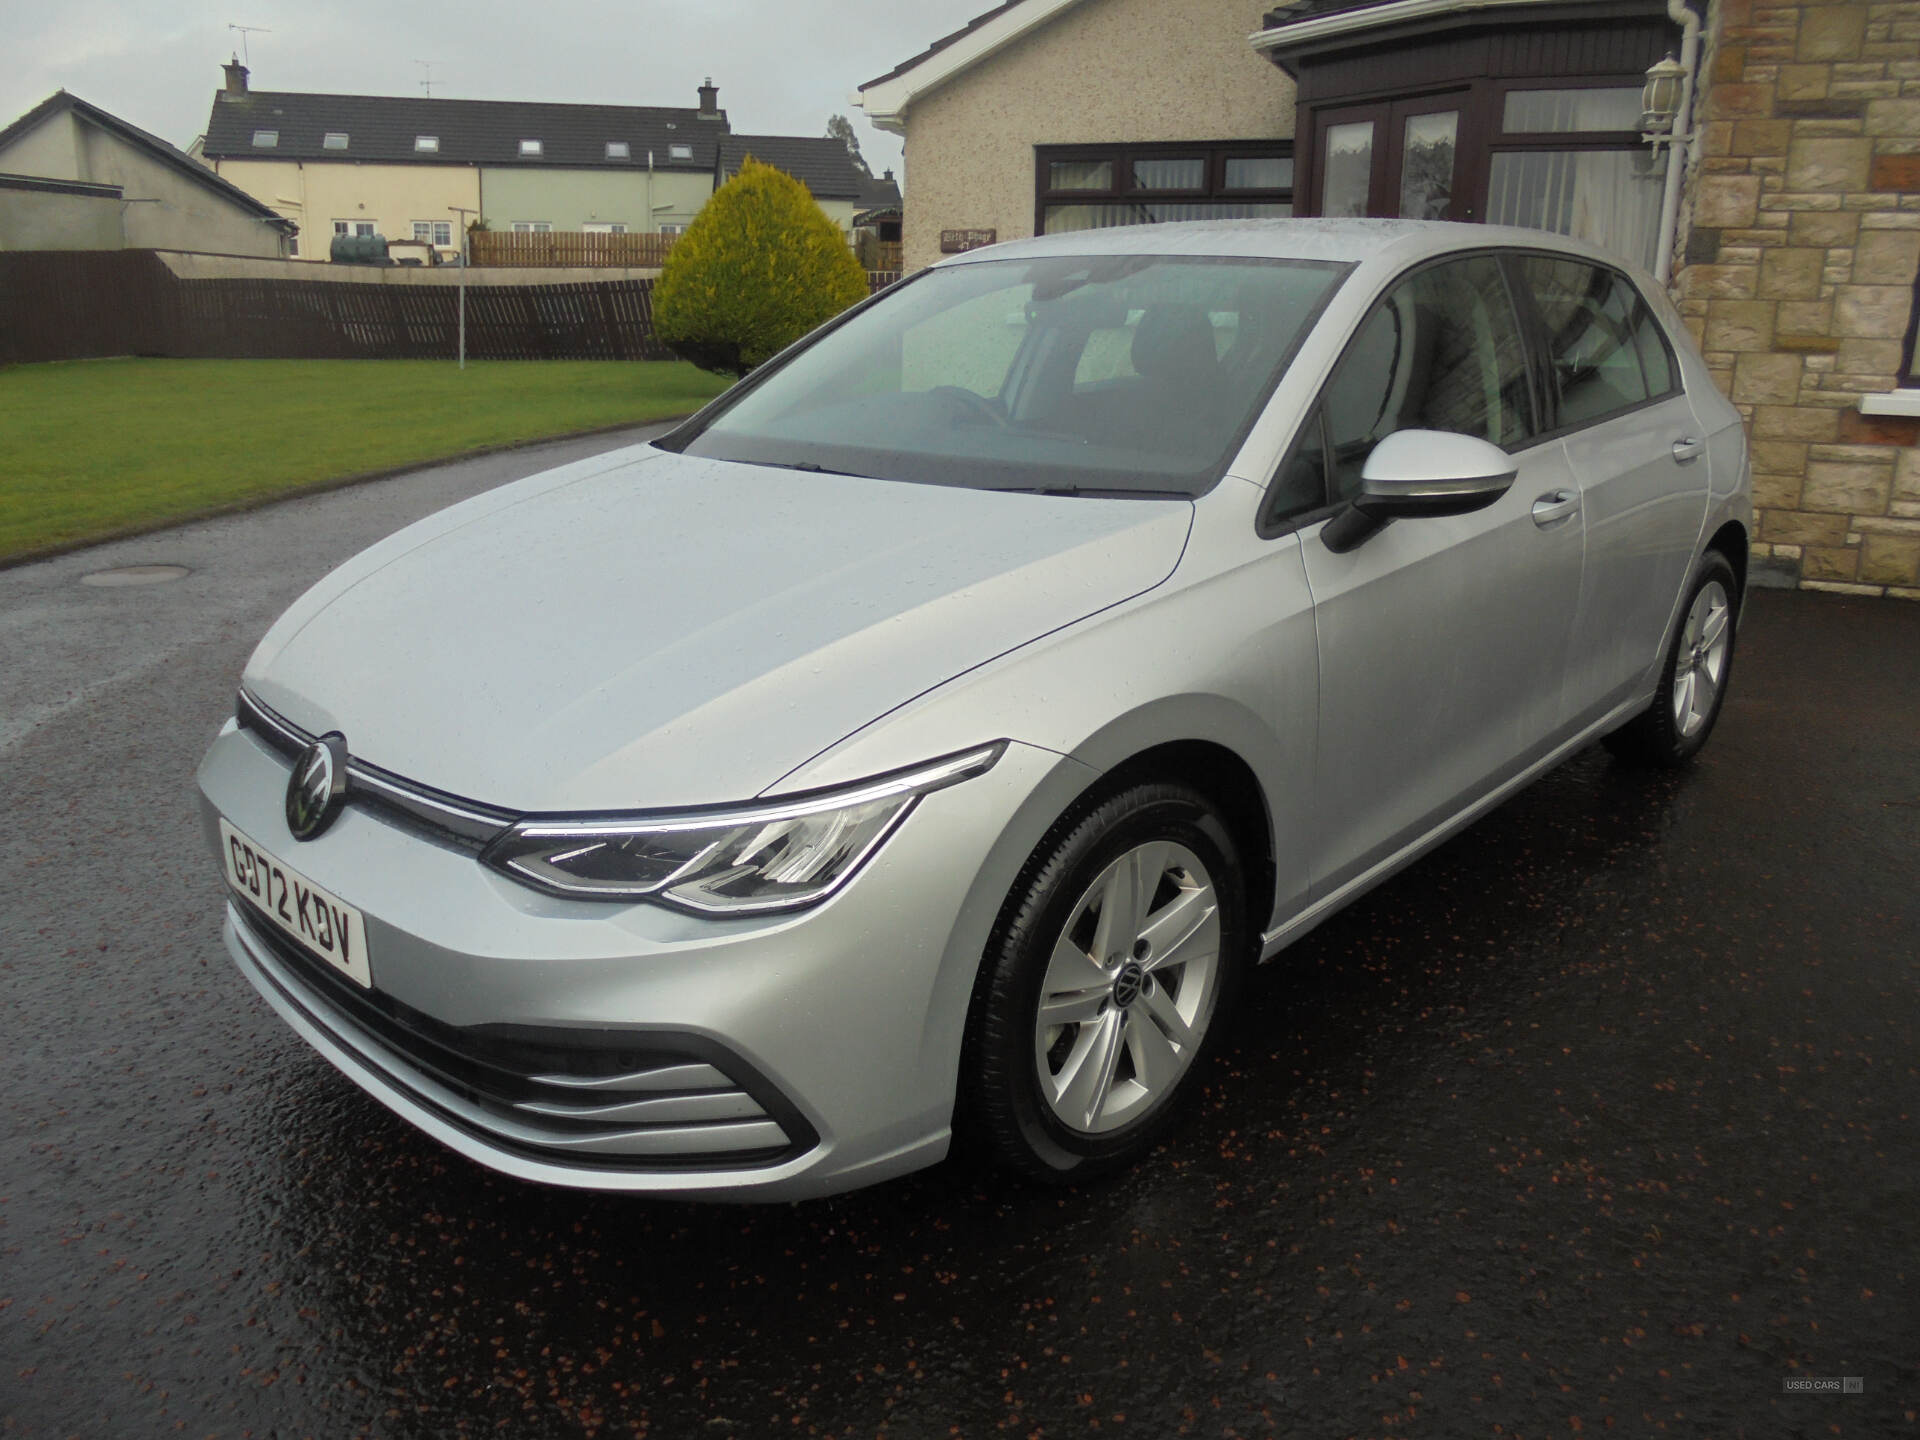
{"x": 1277, "y": 939}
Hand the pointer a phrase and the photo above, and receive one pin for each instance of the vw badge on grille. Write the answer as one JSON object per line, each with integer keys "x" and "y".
{"x": 315, "y": 788}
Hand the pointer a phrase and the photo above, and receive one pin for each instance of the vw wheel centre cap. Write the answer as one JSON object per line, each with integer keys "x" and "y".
{"x": 317, "y": 786}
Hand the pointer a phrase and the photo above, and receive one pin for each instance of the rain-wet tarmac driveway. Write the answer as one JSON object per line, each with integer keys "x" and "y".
{"x": 1601, "y": 1117}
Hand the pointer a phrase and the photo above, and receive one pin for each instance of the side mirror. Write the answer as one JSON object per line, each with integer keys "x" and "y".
{"x": 1414, "y": 473}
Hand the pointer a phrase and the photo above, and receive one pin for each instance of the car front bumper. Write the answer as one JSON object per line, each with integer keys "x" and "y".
{"x": 631, "y": 1048}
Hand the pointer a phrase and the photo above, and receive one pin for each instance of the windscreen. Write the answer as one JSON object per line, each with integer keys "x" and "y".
{"x": 1110, "y": 375}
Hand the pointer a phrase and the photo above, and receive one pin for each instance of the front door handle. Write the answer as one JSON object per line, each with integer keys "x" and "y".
{"x": 1553, "y": 507}
{"x": 1687, "y": 449}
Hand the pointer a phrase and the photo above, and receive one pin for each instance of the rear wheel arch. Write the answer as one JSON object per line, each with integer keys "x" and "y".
{"x": 1731, "y": 541}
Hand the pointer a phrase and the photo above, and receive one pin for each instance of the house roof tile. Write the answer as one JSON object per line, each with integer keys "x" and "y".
{"x": 470, "y": 132}
{"x": 823, "y": 164}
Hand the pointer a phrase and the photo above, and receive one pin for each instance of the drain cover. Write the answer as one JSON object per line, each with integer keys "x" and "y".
{"x": 136, "y": 575}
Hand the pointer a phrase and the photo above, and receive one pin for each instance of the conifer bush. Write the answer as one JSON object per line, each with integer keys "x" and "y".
{"x": 759, "y": 267}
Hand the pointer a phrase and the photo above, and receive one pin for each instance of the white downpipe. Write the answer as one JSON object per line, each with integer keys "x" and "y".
{"x": 1682, "y": 139}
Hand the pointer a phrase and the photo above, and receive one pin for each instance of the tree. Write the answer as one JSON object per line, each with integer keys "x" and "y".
{"x": 840, "y": 128}
{"x": 759, "y": 267}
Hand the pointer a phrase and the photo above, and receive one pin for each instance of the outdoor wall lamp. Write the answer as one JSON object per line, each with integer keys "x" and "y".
{"x": 1660, "y": 101}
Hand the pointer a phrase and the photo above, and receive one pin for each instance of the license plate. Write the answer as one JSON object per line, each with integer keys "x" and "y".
{"x": 319, "y": 920}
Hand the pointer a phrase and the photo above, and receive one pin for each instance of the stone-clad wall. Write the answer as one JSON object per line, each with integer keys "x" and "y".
{"x": 1799, "y": 269}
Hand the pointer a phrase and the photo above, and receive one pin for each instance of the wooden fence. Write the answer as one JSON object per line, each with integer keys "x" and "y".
{"x": 78, "y": 305}
{"x": 568, "y": 248}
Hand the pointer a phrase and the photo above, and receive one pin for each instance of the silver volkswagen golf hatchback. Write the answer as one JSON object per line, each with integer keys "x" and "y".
{"x": 929, "y": 734}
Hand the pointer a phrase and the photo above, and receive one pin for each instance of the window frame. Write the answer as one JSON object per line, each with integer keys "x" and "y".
{"x": 1214, "y": 153}
{"x": 272, "y": 141}
{"x": 328, "y": 138}
{"x": 675, "y": 146}
{"x": 532, "y": 149}
{"x": 619, "y": 150}
{"x": 426, "y": 144}
{"x": 1273, "y": 528}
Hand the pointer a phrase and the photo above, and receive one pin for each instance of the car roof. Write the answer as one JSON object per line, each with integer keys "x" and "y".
{"x": 1343, "y": 241}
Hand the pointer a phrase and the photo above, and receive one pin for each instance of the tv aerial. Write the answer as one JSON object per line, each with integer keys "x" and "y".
{"x": 426, "y": 79}
{"x": 245, "y": 30}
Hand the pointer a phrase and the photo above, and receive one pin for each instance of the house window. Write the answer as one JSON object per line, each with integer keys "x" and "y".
{"x": 1560, "y": 153}
{"x": 1087, "y": 187}
{"x": 443, "y": 232}
{"x": 673, "y": 229}
{"x": 266, "y": 139}
{"x": 293, "y": 247}
{"x": 530, "y": 149}
{"x": 619, "y": 150}
{"x": 427, "y": 144}
{"x": 423, "y": 230}
{"x": 532, "y": 227}
{"x": 603, "y": 227}
{"x": 679, "y": 152}
{"x": 334, "y": 140}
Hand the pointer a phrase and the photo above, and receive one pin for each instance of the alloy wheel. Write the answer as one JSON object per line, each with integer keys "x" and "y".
{"x": 1701, "y": 666}
{"x": 1129, "y": 989}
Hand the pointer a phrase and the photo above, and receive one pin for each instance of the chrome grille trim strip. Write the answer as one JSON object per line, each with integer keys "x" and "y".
{"x": 468, "y": 822}
{"x": 671, "y": 1077}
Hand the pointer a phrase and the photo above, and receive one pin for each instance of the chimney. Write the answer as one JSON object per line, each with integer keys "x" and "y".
{"x": 709, "y": 100}
{"x": 236, "y": 79}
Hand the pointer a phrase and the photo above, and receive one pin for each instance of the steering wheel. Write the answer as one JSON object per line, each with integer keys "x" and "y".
{"x": 970, "y": 405}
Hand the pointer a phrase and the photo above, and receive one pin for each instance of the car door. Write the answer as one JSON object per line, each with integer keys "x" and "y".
{"x": 1638, "y": 454}
{"x": 1441, "y": 640}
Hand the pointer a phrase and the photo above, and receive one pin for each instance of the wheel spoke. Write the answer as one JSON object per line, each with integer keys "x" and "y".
{"x": 1155, "y": 1062}
{"x": 1683, "y": 699}
{"x": 1181, "y": 929}
{"x": 1128, "y": 890}
{"x": 1072, "y": 1007}
{"x": 1715, "y": 627}
{"x": 1083, "y": 1093}
{"x": 1166, "y": 1017}
{"x": 1070, "y": 968}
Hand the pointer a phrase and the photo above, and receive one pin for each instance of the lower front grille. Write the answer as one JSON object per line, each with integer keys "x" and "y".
{"x": 610, "y": 1098}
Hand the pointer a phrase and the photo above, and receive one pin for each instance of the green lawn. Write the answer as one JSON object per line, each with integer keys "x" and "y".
{"x": 92, "y": 447}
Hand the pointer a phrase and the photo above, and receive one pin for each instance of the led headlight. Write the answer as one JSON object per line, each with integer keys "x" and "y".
{"x": 775, "y": 855}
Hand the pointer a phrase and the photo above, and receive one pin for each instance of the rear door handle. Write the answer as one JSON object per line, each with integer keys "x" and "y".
{"x": 1555, "y": 506}
{"x": 1687, "y": 449}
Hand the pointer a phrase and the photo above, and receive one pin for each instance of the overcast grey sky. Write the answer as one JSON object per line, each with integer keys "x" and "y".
{"x": 782, "y": 68}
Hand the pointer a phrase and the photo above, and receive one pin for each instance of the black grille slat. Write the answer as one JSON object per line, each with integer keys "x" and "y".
{"x": 495, "y": 1066}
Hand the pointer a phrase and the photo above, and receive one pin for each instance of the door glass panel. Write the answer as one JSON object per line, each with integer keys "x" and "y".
{"x": 1609, "y": 197}
{"x": 1442, "y": 352}
{"x": 1348, "y": 169}
{"x": 1558, "y": 111}
{"x": 1588, "y": 314}
{"x": 1426, "y": 165}
{"x": 1182, "y": 174}
{"x": 1080, "y": 175}
{"x": 1259, "y": 172}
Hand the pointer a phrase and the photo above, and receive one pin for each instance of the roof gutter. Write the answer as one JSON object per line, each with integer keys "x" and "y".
{"x": 1371, "y": 17}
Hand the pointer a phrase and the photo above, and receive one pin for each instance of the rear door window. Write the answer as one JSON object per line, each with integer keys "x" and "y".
{"x": 1605, "y": 350}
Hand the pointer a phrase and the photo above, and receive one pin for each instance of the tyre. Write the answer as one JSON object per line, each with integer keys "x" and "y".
{"x": 1693, "y": 681}
{"x": 1108, "y": 977}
